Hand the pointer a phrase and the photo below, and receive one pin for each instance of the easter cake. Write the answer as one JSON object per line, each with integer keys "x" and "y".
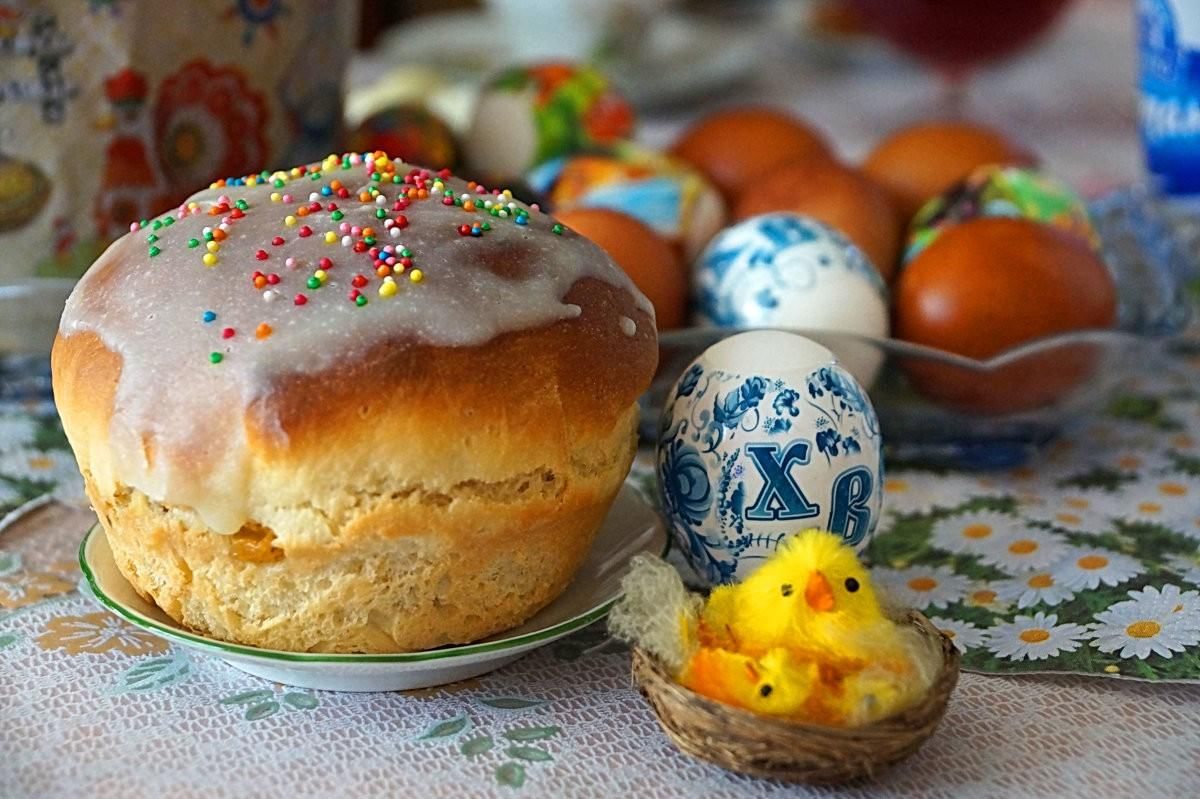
{"x": 352, "y": 407}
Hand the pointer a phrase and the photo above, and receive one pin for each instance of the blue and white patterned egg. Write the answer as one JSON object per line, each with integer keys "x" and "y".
{"x": 789, "y": 270}
{"x": 763, "y": 436}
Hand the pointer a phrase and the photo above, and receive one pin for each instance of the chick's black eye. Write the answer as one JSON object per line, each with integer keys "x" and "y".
{"x": 786, "y": 589}
{"x": 765, "y": 691}
{"x": 851, "y": 584}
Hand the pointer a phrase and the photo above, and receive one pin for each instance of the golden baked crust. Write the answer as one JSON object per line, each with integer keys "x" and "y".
{"x": 481, "y": 567}
{"x": 412, "y": 497}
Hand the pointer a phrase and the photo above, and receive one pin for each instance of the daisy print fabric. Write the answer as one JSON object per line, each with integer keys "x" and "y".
{"x": 1085, "y": 560}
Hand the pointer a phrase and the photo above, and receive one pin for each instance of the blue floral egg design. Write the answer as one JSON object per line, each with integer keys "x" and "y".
{"x": 792, "y": 271}
{"x": 748, "y": 457}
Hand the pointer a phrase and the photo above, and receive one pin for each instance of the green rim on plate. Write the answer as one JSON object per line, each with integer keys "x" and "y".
{"x": 175, "y": 633}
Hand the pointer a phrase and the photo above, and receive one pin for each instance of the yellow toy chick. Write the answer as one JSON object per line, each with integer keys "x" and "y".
{"x": 772, "y": 685}
{"x": 813, "y": 593}
{"x": 808, "y": 618}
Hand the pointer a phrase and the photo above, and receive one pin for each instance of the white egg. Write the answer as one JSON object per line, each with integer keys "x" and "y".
{"x": 525, "y": 115}
{"x": 791, "y": 271}
{"x": 763, "y": 436}
{"x": 503, "y": 137}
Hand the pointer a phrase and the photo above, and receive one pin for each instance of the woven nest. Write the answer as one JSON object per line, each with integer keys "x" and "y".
{"x": 765, "y": 747}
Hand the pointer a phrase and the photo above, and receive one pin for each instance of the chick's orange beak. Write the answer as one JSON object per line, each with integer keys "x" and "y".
{"x": 818, "y": 594}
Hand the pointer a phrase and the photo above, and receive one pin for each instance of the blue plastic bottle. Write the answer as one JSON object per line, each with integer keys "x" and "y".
{"x": 1169, "y": 108}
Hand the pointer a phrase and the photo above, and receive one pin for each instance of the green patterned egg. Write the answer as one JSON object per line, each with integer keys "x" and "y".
{"x": 992, "y": 191}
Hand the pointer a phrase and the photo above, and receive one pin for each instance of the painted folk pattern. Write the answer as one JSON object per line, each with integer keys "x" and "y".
{"x": 743, "y": 460}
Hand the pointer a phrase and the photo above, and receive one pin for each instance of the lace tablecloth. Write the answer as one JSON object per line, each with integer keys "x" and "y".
{"x": 90, "y": 706}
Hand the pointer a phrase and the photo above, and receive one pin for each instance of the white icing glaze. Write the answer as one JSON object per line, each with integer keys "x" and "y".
{"x": 628, "y": 326}
{"x": 172, "y": 401}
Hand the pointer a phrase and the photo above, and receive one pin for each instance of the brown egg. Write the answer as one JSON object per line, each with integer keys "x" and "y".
{"x": 734, "y": 146}
{"x": 645, "y": 256}
{"x": 841, "y": 197}
{"x": 921, "y": 161}
{"x": 988, "y": 285}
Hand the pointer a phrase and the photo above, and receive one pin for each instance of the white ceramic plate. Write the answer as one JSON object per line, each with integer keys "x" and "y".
{"x": 632, "y": 527}
{"x": 683, "y": 58}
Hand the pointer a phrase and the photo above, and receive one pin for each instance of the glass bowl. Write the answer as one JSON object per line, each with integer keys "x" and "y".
{"x": 29, "y": 314}
{"x": 942, "y": 409}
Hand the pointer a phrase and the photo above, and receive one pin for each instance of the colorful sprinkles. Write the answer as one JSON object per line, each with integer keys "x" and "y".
{"x": 315, "y": 201}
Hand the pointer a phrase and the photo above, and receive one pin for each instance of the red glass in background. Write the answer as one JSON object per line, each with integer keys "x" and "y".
{"x": 957, "y": 36}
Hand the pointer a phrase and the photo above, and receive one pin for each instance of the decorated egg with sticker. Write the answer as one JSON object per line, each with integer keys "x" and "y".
{"x": 660, "y": 191}
{"x": 409, "y": 132}
{"x": 763, "y": 436}
{"x": 527, "y": 115}
{"x": 1009, "y": 191}
{"x": 791, "y": 271}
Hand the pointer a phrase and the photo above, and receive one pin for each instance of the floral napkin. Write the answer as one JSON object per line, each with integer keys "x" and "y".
{"x": 1087, "y": 560}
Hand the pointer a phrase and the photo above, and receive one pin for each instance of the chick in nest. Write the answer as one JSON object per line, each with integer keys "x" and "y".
{"x": 772, "y": 685}
{"x": 808, "y": 619}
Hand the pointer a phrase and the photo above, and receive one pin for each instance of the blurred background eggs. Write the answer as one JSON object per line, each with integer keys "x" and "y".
{"x": 736, "y": 146}
{"x": 408, "y": 131}
{"x": 991, "y": 284}
{"x": 751, "y": 219}
{"x": 792, "y": 271}
{"x": 842, "y": 197}
{"x": 526, "y": 115}
{"x": 663, "y": 192}
{"x": 1002, "y": 191}
{"x": 648, "y": 260}
{"x": 921, "y": 161}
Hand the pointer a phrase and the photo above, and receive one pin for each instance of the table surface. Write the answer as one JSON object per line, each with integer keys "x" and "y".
{"x": 75, "y": 720}
{"x": 78, "y": 713}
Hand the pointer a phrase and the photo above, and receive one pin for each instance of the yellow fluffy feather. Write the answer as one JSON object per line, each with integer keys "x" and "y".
{"x": 807, "y": 623}
{"x": 657, "y": 612}
{"x": 773, "y": 685}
